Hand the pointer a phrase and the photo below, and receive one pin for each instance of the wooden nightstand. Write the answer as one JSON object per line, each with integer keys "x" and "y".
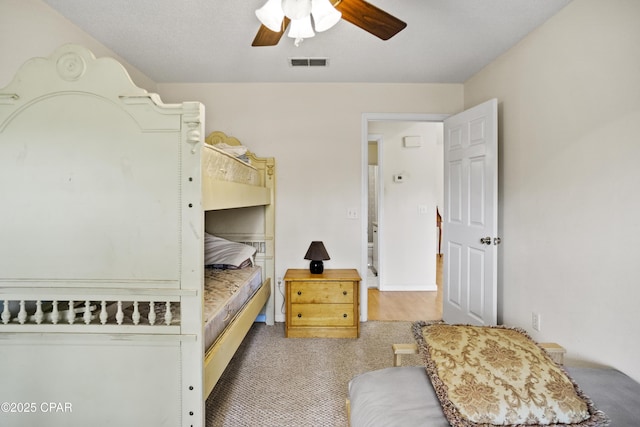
{"x": 323, "y": 305}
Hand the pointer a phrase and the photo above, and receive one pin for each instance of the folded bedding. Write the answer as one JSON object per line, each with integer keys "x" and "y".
{"x": 234, "y": 150}
{"x": 223, "y": 253}
{"x": 237, "y": 151}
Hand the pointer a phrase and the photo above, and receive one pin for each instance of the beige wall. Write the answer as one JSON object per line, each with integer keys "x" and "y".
{"x": 315, "y": 133}
{"x": 30, "y": 28}
{"x": 570, "y": 184}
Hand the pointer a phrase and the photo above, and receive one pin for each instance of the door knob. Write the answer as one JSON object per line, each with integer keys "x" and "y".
{"x": 485, "y": 240}
{"x": 497, "y": 240}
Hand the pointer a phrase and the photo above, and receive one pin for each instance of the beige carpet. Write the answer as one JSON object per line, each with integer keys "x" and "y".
{"x": 277, "y": 381}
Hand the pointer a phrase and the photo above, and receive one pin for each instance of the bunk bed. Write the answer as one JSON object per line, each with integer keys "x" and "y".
{"x": 108, "y": 197}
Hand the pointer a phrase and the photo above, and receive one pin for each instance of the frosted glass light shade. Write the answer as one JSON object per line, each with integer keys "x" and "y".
{"x": 301, "y": 28}
{"x": 271, "y": 15}
{"x": 324, "y": 14}
{"x": 296, "y": 9}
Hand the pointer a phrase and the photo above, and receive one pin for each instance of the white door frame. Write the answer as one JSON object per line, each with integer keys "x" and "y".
{"x": 364, "y": 205}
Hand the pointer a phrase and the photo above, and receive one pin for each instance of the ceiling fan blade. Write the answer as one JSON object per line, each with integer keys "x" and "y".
{"x": 370, "y": 18}
{"x": 266, "y": 37}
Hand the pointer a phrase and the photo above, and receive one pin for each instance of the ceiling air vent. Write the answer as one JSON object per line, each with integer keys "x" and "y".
{"x": 308, "y": 62}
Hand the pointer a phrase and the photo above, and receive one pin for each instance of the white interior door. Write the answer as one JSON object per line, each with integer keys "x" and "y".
{"x": 470, "y": 221}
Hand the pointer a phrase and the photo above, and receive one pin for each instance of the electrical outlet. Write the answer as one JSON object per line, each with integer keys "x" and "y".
{"x": 352, "y": 213}
{"x": 535, "y": 321}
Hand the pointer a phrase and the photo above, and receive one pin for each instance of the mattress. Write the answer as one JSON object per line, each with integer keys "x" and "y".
{"x": 221, "y": 166}
{"x": 225, "y": 293}
{"x": 404, "y": 396}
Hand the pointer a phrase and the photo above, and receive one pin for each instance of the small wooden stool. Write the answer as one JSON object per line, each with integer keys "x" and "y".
{"x": 400, "y": 349}
{"x": 556, "y": 351}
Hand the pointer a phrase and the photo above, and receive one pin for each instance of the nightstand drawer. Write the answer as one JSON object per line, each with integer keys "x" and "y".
{"x": 322, "y": 292}
{"x": 322, "y": 315}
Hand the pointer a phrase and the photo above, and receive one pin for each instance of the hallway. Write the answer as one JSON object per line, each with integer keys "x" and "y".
{"x": 407, "y": 306}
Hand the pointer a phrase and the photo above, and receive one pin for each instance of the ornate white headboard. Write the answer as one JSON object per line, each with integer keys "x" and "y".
{"x": 101, "y": 207}
{"x": 81, "y": 149}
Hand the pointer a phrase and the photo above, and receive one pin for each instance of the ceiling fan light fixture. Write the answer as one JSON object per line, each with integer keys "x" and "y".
{"x": 271, "y": 15}
{"x": 300, "y": 29}
{"x": 324, "y": 15}
{"x": 300, "y": 13}
{"x": 296, "y": 9}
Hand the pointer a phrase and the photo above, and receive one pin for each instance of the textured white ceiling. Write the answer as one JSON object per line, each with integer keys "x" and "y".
{"x": 446, "y": 41}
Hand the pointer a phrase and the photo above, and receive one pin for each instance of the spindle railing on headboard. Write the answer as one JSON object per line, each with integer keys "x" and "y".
{"x": 100, "y": 313}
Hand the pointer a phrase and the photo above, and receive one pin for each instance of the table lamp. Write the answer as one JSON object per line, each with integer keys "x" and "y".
{"x": 316, "y": 253}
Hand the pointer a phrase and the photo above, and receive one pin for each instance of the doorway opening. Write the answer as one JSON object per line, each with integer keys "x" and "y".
{"x": 374, "y": 194}
{"x": 398, "y": 226}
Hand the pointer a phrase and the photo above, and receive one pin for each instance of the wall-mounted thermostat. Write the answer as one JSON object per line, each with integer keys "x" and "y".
{"x": 398, "y": 178}
{"x": 412, "y": 141}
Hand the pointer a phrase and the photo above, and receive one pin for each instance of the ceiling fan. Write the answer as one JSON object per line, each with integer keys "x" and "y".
{"x": 358, "y": 12}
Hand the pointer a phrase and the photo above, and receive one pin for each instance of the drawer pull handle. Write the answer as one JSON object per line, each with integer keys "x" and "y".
{"x": 299, "y": 292}
{"x": 344, "y": 292}
{"x": 344, "y": 315}
{"x": 299, "y": 314}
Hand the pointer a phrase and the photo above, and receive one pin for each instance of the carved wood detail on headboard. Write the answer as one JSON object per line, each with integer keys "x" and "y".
{"x": 217, "y": 137}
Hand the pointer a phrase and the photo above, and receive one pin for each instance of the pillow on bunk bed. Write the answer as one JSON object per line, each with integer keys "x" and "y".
{"x": 222, "y": 253}
{"x": 494, "y": 375}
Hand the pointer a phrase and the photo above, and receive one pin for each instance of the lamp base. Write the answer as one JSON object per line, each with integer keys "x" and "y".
{"x": 316, "y": 267}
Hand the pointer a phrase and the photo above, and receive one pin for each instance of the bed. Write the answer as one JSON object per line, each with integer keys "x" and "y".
{"x": 417, "y": 396}
{"x": 111, "y": 312}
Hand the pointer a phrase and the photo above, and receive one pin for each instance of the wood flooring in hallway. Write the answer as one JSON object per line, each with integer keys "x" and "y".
{"x": 409, "y": 305}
